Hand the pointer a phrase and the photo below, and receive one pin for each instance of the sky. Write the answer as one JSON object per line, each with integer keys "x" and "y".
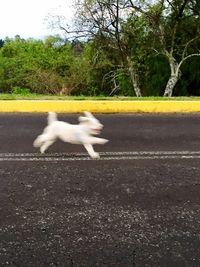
{"x": 27, "y": 18}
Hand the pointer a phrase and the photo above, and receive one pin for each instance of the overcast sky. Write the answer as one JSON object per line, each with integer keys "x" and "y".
{"x": 27, "y": 17}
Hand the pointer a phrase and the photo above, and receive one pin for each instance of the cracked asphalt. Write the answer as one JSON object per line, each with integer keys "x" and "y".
{"x": 121, "y": 212}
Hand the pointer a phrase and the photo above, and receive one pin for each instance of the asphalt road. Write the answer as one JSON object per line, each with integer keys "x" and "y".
{"x": 137, "y": 206}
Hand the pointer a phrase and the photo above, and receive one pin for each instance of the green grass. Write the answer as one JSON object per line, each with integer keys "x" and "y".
{"x": 58, "y": 97}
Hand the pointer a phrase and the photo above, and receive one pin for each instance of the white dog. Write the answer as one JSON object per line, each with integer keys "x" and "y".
{"x": 81, "y": 133}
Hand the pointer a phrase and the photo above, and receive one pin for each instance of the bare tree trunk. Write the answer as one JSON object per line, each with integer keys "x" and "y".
{"x": 170, "y": 85}
{"x": 174, "y": 77}
{"x": 134, "y": 78}
{"x": 175, "y": 71}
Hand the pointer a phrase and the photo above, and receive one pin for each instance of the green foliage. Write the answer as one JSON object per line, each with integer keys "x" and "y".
{"x": 20, "y": 91}
{"x": 156, "y": 75}
{"x": 100, "y": 65}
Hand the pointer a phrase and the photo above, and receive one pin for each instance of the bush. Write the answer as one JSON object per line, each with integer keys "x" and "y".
{"x": 20, "y": 91}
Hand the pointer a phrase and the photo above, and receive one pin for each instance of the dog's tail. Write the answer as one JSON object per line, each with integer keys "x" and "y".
{"x": 51, "y": 117}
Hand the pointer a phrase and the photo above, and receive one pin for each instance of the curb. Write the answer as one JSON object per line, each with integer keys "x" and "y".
{"x": 98, "y": 106}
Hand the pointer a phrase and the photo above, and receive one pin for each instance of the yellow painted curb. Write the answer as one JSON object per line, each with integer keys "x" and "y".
{"x": 98, "y": 106}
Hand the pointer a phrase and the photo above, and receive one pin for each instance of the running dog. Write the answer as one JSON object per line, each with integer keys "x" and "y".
{"x": 81, "y": 133}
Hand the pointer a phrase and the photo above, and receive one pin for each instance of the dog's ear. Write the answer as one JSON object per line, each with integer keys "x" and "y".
{"x": 88, "y": 114}
{"x": 83, "y": 119}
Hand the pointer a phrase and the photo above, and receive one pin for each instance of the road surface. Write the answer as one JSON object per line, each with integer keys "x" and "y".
{"x": 138, "y": 205}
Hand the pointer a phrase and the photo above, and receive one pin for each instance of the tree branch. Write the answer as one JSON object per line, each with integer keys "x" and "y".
{"x": 185, "y": 58}
{"x": 188, "y": 43}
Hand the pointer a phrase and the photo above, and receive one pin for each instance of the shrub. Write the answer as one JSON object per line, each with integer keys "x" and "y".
{"x": 20, "y": 91}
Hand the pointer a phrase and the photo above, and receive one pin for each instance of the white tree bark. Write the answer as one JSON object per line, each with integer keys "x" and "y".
{"x": 170, "y": 85}
{"x": 175, "y": 73}
{"x": 134, "y": 78}
{"x": 174, "y": 77}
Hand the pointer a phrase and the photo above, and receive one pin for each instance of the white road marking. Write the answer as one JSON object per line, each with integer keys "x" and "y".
{"x": 126, "y": 155}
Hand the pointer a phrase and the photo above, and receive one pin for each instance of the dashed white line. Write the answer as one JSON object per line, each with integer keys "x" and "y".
{"x": 122, "y": 155}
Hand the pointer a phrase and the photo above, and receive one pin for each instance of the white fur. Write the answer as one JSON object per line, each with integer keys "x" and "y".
{"x": 81, "y": 133}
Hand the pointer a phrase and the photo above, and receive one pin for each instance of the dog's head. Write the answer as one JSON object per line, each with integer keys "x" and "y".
{"x": 93, "y": 125}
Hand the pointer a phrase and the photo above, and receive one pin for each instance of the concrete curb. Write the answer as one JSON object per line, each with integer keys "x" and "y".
{"x": 98, "y": 106}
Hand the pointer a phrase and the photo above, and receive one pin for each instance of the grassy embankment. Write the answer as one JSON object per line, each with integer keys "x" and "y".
{"x": 117, "y": 98}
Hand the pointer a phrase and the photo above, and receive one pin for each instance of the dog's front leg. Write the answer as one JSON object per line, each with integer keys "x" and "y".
{"x": 96, "y": 140}
{"x": 91, "y": 151}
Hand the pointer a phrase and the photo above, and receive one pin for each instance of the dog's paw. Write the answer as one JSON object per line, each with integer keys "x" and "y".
{"x": 101, "y": 141}
{"x": 95, "y": 155}
{"x": 42, "y": 150}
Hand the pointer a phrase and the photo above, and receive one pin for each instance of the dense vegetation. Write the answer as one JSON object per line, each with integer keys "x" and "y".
{"x": 116, "y": 47}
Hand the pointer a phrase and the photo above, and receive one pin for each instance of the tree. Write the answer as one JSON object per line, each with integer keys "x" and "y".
{"x": 168, "y": 21}
{"x": 41, "y": 66}
{"x": 102, "y": 20}
{"x": 1, "y": 43}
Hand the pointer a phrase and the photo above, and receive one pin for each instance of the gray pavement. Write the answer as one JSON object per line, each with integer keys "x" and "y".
{"x": 139, "y": 205}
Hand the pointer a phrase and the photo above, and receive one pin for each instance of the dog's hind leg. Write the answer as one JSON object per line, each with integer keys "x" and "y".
{"x": 45, "y": 145}
{"x": 91, "y": 151}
